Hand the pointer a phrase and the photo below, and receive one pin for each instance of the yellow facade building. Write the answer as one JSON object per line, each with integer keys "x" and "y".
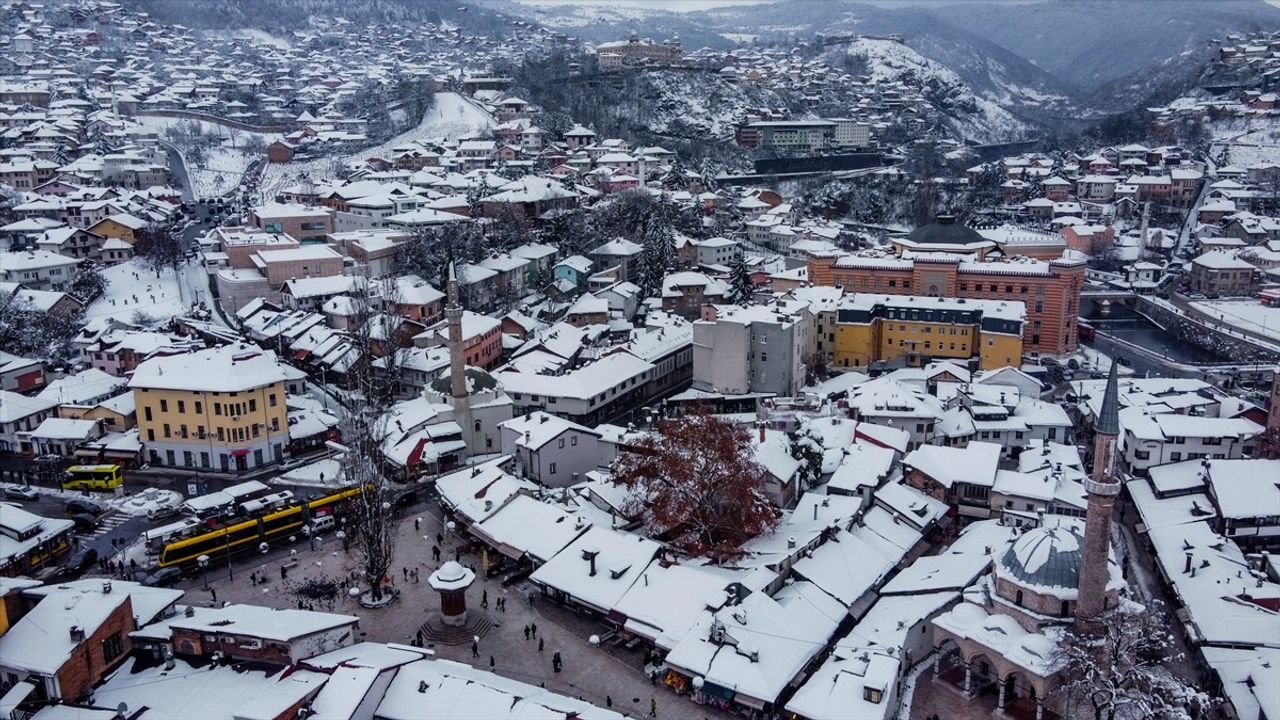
{"x": 907, "y": 330}
{"x": 221, "y": 409}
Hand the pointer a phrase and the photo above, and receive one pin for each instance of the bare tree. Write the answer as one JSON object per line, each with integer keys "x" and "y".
{"x": 1120, "y": 668}
{"x": 364, "y": 429}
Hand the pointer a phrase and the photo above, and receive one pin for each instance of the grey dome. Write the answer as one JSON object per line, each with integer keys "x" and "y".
{"x": 1045, "y": 557}
{"x": 478, "y": 380}
{"x": 944, "y": 230}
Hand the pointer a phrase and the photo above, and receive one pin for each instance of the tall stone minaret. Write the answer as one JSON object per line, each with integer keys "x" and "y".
{"x": 457, "y": 361}
{"x": 1102, "y": 488}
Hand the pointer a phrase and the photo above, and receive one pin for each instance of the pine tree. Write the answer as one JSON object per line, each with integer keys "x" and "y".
{"x": 740, "y": 284}
{"x": 651, "y": 272}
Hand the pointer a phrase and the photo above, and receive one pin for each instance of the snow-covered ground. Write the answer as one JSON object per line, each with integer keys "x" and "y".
{"x": 1248, "y": 315}
{"x": 223, "y": 167}
{"x": 132, "y": 288}
{"x": 451, "y": 117}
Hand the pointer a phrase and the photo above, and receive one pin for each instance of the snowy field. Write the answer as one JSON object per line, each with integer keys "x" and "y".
{"x": 452, "y": 117}
{"x": 132, "y": 288}
{"x": 223, "y": 167}
{"x": 1248, "y": 315}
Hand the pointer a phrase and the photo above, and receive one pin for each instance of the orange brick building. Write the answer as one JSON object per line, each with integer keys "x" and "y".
{"x": 941, "y": 263}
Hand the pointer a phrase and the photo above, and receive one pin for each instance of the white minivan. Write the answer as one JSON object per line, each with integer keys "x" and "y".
{"x": 321, "y": 525}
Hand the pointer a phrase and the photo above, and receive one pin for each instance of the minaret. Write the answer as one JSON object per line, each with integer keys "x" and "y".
{"x": 1102, "y": 488}
{"x": 457, "y": 362}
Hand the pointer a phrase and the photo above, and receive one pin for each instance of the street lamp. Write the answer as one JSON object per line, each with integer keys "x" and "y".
{"x": 203, "y": 562}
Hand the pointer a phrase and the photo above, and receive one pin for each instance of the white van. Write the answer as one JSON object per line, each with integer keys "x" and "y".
{"x": 321, "y": 525}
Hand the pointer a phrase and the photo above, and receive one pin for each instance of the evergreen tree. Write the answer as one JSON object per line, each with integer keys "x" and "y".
{"x": 740, "y": 284}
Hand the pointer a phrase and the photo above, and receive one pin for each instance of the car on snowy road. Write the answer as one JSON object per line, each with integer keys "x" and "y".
{"x": 14, "y": 491}
{"x": 77, "y": 506}
{"x": 163, "y": 577}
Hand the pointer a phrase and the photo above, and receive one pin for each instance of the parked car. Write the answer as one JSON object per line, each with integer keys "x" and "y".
{"x": 76, "y": 506}
{"x": 80, "y": 562}
{"x": 85, "y": 522}
{"x": 163, "y": 577}
{"x": 161, "y": 512}
{"x": 15, "y": 491}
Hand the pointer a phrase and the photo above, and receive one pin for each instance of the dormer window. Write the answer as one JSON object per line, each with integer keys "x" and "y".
{"x": 872, "y": 695}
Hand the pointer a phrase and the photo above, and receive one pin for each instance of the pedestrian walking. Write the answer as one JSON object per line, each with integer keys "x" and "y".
{"x": 540, "y": 644}
{"x": 533, "y": 629}
{"x": 608, "y": 701}
{"x": 491, "y": 662}
{"x": 417, "y": 524}
{"x": 284, "y": 572}
{"x": 526, "y": 633}
{"x": 405, "y": 570}
{"x": 653, "y": 706}
{"x": 439, "y": 539}
{"x": 253, "y": 580}
{"x": 214, "y": 592}
{"x": 415, "y": 575}
{"x": 484, "y": 599}
{"x": 435, "y": 553}
{"x": 475, "y": 649}
{"x": 419, "y": 637}
{"x": 556, "y": 663}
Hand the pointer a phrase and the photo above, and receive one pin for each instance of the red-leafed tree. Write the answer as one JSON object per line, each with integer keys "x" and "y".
{"x": 696, "y": 482}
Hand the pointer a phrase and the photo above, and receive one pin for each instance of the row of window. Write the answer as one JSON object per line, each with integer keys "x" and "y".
{"x": 231, "y": 409}
{"x": 233, "y": 434}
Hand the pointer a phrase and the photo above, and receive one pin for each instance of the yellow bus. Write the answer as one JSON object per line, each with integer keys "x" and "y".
{"x": 93, "y": 477}
{"x": 241, "y": 535}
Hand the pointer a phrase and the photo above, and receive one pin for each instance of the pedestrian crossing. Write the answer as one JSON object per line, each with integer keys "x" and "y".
{"x": 107, "y": 523}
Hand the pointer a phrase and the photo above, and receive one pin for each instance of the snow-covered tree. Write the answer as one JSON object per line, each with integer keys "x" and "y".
{"x": 1121, "y": 668}
{"x": 363, "y": 425}
{"x": 696, "y": 482}
{"x": 159, "y": 247}
{"x": 806, "y": 448}
{"x": 740, "y": 284}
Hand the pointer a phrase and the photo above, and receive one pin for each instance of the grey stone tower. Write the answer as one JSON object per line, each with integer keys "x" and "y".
{"x": 457, "y": 360}
{"x": 1102, "y": 487}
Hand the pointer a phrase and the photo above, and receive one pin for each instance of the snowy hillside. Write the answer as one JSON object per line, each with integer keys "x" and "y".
{"x": 971, "y": 117}
{"x": 451, "y": 117}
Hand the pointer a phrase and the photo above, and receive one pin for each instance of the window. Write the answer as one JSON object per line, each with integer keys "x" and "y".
{"x": 873, "y": 695}
{"x": 1017, "y": 599}
{"x": 553, "y": 468}
{"x": 199, "y": 408}
{"x": 112, "y": 648}
{"x": 146, "y": 412}
{"x": 166, "y": 430}
{"x": 182, "y": 406}
{"x": 573, "y": 440}
{"x": 253, "y": 405}
{"x": 1175, "y": 457}
{"x": 164, "y": 405}
{"x": 271, "y": 400}
{"x": 1066, "y": 609}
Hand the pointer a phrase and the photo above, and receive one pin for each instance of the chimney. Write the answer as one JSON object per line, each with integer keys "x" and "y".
{"x": 77, "y": 634}
{"x": 1186, "y": 568}
{"x": 106, "y": 587}
{"x": 589, "y": 554}
{"x": 791, "y": 541}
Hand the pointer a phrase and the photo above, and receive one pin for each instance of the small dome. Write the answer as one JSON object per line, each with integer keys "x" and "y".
{"x": 451, "y": 571}
{"x": 1004, "y": 625}
{"x": 478, "y": 380}
{"x": 944, "y": 230}
{"x": 1039, "y": 645}
{"x": 968, "y": 614}
{"x": 1047, "y": 556}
